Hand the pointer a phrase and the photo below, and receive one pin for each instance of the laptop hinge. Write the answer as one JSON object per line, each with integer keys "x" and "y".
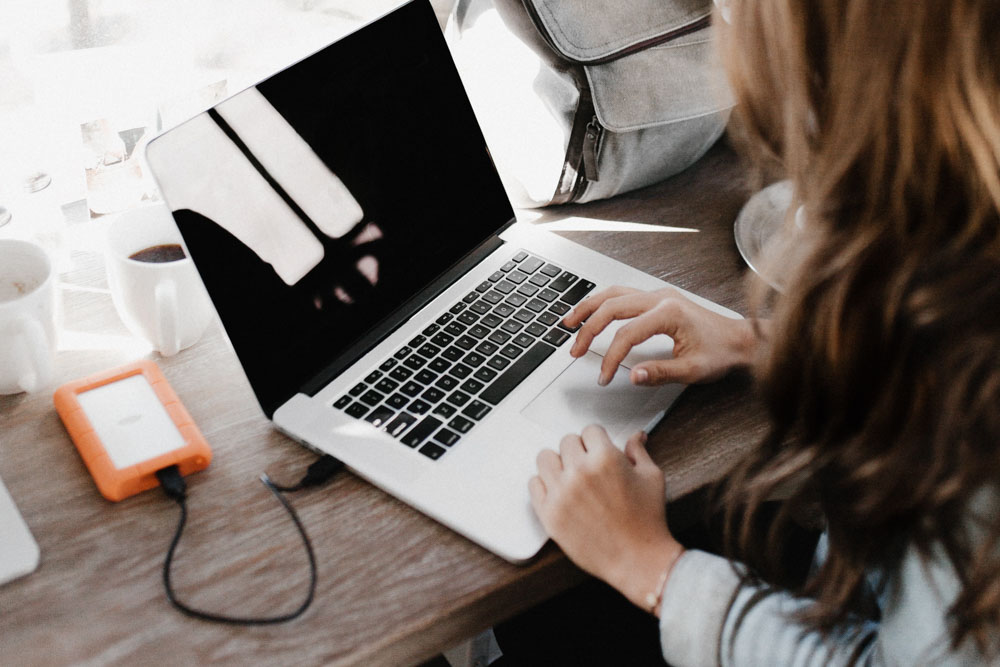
{"x": 402, "y": 314}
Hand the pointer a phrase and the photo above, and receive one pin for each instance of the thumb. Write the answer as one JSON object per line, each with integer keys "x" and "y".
{"x": 662, "y": 372}
{"x": 635, "y": 449}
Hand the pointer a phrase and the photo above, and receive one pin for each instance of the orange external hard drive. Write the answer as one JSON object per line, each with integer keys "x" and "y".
{"x": 128, "y": 423}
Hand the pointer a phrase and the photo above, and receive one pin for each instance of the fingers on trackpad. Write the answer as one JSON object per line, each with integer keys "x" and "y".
{"x": 659, "y": 346}
{"x": 574, "y": 399}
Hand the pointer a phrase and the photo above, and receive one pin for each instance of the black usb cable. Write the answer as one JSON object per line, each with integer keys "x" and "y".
{"x": 176, "y": 488}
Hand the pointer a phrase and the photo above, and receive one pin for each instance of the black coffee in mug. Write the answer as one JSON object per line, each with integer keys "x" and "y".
{"x": 158, "y": 254}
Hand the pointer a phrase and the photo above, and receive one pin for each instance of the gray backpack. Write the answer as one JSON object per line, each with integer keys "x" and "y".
{"x": 583, "y": 99}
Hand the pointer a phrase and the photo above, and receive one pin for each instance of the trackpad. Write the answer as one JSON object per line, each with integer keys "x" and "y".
{"x": 574, "y": 399}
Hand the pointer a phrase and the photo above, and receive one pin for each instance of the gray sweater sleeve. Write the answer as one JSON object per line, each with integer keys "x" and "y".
{"x": 708, "y": 617}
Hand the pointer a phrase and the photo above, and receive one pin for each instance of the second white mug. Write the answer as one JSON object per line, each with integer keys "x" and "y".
{"x": 155, "y": 287}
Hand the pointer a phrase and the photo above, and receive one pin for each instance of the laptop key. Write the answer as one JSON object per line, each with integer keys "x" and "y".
{"x": 342, "y": 402}
{"x": 372, "y": 397}
{"x": 397, "y": 401}
{"x": 514, "y": 375}
{"x": 548, "y": 319}
{"x": 480, "y": 307}
{"x": 483, "y": 286}
{"x": 509, "y": 266}
{"x": 517, "y": 277}
{"x": 476, "y": 410}
{"x": 431, "y": 329}
{"x": 491, "y": 321}
{"x": 577, "y": 292}
{"x": 485, "y": 374}
{"x": 432, "y": 395}
{"x": 535, "y": 329}
{"x": 547, "y": 295}
{"x": 429, "y": 350}
{"x": 425, "y": 377}
{"x": 388, "y": 364}
{"x": 524, "y": 315}
{"x": 519, "y": 257}
{"x": 433, "y": 451}
{"x": 512, "y": 326}
{"x": 493, "y": 297}
{"x": 527, "y": 289}
{"x": 536, "y": 305}
{"x": 455, "y": 328}
{"x": 415, "y": 361}
{"x": 511, "y": 351}
{"x": 524, "y": 340}
{"x": 358, "y": 389}
{"x": 498, "y": 362}
{"x": 418, "y": 407}
{"x": 505, "y": 286}
{"x": 439, "y": 365}
{"x": 562, "y": 283}
{"x": 468, "y": 317}
{"x": 466, "y": 342}
{"x": 442, "y": 339}
{"x": 412, "y": 388}
{"x": 401, "y": 374}
{"x": 470, "y": 297}
{"x": 503, "y": 310}
{"x": 461, "y": 371}
{"x": 457, "y": 308}
{"x": 357, "y": 410}
{"x": 417, "y": 342}
{"x": 453, "y": 353}
{"x": 402, "y": 352}
{"x": 385, "y": 385}
{"x": 398, "y": 425}
{"x": 461, "y": 424}
{"x": 446, "y": 382}
{"x": 556, "y": 337}
{"x": 539, "y": 280}
{"x": 499, "y": 337}
{"x": 458, "y": 398}
{"x": 472, "y": 386}
{"x": 551, "y": 270}
{"x": 421, "y": 431}
{"x": 531, "y": 265}
{"x": 516, "y": 300}
{"x": 380, "y": 416}
{"x": 444, "y": 319}
{"x": 495, "y": 276}
{"x": 473, "y": 359}
{"x": 446, "y": 437}
{"x": 479, "y": 331}
{"x": 445, "y": 410}
{"x": 559, "y": 308}
{"x": 486, "y": 348}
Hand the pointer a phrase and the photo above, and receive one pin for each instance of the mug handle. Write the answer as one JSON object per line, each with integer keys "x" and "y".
{"x": 34, "y": 368}
{"x": 166, "y": 318}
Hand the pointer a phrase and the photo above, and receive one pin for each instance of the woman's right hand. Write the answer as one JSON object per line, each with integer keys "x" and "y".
{"x": 707, "y": 345}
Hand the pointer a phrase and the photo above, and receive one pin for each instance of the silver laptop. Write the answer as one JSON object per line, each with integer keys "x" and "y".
{"x": 354, "y": 236}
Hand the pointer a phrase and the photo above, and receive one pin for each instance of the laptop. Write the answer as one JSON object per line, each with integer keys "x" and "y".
{"x": 19, "y": 554}
{"x": 387, "y": 308}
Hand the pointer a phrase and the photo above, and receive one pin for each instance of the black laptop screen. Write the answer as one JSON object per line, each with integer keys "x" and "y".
{"x": 321, "y": 200}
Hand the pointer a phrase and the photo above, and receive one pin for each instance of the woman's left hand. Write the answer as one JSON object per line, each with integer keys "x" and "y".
{"x": 607, "y": 510}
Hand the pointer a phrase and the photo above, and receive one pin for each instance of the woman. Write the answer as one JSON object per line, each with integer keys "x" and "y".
{"x": 880, "y": 367}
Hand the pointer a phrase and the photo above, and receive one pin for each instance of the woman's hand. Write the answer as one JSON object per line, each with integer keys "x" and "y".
{"x": 607, "y": 510}
{"x": 707, "y": 345}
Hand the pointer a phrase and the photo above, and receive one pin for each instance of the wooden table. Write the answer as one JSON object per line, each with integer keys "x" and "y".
{"x": 394, "y": 587}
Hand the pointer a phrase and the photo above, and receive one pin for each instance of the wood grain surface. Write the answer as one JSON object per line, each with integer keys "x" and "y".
{"x": 395, "y": 588}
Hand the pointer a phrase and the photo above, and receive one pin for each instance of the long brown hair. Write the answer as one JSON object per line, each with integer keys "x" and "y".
{"x": 882, "y": 376}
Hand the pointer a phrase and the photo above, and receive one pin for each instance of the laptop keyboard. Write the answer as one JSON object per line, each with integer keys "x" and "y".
{"x": 432, "y": 391}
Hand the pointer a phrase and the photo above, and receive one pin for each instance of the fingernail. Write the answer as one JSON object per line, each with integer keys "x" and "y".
{"x": 603, "y": 380}
{"x": 641, "y": 375}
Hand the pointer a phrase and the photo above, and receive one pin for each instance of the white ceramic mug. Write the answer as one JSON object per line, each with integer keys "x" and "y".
{"x": 165, "y": 302}
{"x": 28, "y": 317}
